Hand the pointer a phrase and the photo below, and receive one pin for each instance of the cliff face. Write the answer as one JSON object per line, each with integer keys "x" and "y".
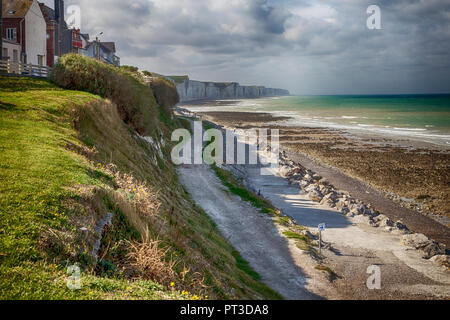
{"x": 190, "y": 90}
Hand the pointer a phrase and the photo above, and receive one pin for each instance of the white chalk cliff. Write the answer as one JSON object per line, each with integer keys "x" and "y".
{"x": 190, "y": 90}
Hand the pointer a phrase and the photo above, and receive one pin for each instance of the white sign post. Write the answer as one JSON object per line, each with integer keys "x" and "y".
{"x": 321, "y": 228}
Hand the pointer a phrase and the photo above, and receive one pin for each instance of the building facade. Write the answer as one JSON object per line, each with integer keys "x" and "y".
{"x": 102, "y": 51}
{"x": 50, "y": 21}
{"x": 36, "y": 34}
{"x": 24, "y": 25}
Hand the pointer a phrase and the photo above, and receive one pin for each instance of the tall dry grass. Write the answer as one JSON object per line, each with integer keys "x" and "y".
{"x": 147, "y": 260}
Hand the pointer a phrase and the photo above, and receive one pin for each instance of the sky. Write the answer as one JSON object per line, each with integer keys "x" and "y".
{"x": 305, "y": 46}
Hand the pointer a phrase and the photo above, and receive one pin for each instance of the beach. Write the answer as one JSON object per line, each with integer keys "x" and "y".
{"x": 352, "y": 240}
{"x": 411, "y": 173}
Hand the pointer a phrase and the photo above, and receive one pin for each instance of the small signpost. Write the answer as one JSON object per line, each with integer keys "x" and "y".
{"x": 321, "y": 228}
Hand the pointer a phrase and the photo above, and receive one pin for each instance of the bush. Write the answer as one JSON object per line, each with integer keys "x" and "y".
{"x": 134, "y": 99}
{"x": 130, "y": 68}
{"x": 147, "y": 73}
{"x": 165, "y": 93}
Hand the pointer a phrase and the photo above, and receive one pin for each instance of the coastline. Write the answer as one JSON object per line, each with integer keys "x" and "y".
{"x": 399, "y": 177}
{"x": 352, "y": 240}
{"x": 392, "y": 120}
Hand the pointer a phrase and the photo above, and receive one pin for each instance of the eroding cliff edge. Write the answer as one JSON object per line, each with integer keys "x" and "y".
{"x": 190, "y": 90}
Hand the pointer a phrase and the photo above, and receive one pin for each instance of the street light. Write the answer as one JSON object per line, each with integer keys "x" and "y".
{"x": 97, "y": 41}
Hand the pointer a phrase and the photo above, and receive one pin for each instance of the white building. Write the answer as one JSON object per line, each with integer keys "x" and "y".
{"x": 24, "y": 25}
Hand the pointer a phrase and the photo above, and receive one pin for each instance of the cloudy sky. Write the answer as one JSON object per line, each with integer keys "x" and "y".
{"x": 306, "y": 46}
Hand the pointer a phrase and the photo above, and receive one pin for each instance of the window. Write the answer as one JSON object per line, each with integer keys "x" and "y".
{"x": 11, "y": 34}
{"x": 40, "y": 60}
{"x": 5, "y": 53}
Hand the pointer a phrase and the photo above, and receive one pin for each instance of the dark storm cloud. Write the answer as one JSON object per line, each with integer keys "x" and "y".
{"x": 305, "y": 46}
{"x": 271, "y": 18}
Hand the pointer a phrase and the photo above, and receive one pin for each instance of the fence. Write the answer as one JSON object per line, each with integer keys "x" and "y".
{"x": 19, "y": 68}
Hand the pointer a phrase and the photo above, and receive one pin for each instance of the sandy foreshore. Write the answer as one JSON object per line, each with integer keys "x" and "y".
{"x": 411, "y": 182}
{"x": 351, "y": 244}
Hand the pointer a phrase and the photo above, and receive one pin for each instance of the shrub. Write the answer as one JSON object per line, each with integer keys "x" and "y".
{"x": 130, "y": 68}
{"x": 134, "y": 99}
{"x": 165, "y": 93}
{"x": 147, "y": 73}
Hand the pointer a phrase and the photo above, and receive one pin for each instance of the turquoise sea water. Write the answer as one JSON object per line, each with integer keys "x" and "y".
{"x": 418, "y": 117}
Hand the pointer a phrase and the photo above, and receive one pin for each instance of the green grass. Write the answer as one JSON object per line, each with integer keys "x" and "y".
{"x": 238, "y": 189}
{"x": 36, "y": 171}
{"x": 38, "y": 281}
{"x": 283, "y": 220}
{"x": 302, "y": 241}
{"x": 207, "y": 125}
{"x": 333, "y": 275}
{"x": 295, "y": 235}
{"x": 35, "y": 168}
{"x": 178, "y": 79}
{"x": 245, "y": 266}
{"x": 44, "y": 133}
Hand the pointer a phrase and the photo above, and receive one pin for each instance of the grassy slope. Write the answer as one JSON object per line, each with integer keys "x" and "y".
{"x": 36, "y": 171}
{"x": 178, "y": 79}
{"x": 55, "y": 145}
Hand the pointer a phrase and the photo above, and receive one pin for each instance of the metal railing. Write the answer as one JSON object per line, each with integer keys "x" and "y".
{"x": 19, "y": 68}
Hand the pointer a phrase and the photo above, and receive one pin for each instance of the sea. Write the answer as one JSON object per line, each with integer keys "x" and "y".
{"x": 422, "y": 118}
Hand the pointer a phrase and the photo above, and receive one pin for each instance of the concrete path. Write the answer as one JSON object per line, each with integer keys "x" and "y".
{"x": 253, "y": 234}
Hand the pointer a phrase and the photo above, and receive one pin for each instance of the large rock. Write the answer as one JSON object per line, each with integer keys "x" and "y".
{"x": 432, "y": 249}
{"x": 415, "y": 240}
{"x": 284, "y": 171}
{"x": 355, "y": 212}
{"x": 312, "y": 187}
{"x": 384, "y": 221}
{"x": 315, "y": 195}
{"x": 443, "y": 260}
{"x": 341, "y": 204}
{"x": 363, "y": 219}
{"x": 401, "y": 227}
{"x": 421, "y": 242}
{"x": 303, "y": 184}
{"x": 329, "y": 198}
